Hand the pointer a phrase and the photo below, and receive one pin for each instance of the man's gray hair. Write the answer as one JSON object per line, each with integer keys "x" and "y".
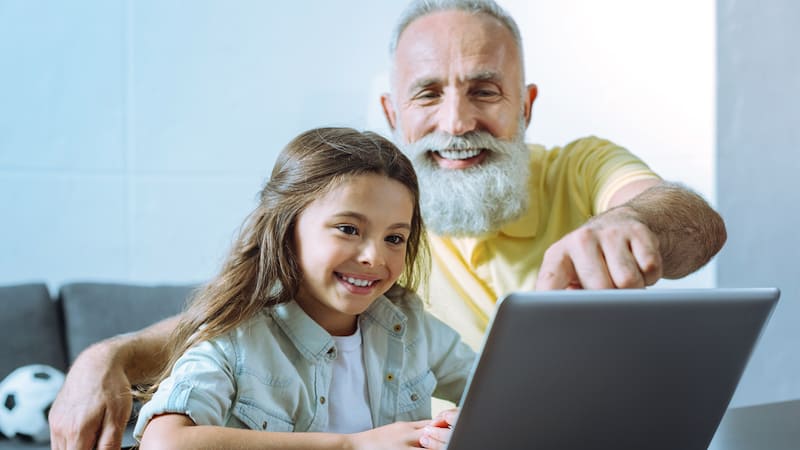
{"x": 419, "y": 8}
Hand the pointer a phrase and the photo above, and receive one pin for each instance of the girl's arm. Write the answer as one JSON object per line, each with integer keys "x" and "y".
{"x": 177, "y": 431}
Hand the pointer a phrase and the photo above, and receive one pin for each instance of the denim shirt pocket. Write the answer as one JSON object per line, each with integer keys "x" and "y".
{"x": 256, "y": 418}
{"x": 414, "y": 400}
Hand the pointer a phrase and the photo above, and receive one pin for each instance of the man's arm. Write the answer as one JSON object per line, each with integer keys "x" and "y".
{"x": 652, "y": 230}
{"x": 94, "y": 404}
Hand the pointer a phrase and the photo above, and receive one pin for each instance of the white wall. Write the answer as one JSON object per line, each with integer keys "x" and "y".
{"x": 135, "y": 134}
{"x": 759, "y": 112}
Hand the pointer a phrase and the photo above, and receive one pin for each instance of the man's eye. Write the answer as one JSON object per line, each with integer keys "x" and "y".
{"x": 347, "y": 229}
{"x": 485, "y": 93}
{"x": 395, "y": 239}
{"x": 427, "y": 94}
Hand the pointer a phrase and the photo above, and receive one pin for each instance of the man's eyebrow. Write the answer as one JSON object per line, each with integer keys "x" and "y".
{"x": 422, "y": 83}
{"x": 484, "y": 75}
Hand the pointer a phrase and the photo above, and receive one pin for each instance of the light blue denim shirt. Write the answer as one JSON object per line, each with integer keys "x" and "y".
{"x": 274, "y": 372}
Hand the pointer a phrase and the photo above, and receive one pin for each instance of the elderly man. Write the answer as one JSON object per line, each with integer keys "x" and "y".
{"x": 503, "y": 215}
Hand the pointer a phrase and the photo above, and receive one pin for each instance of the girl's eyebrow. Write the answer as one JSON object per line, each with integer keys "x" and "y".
{"x": 363, "y": 218}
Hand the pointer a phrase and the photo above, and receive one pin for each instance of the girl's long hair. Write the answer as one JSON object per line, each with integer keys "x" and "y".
{"x": 262, "y": 269}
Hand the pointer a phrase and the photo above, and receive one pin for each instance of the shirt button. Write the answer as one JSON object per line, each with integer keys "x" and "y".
{"x": 398, "y": 328}
{"x": 264, "y": 425}
{"x": 322, "y": 400}
{"x": 389, "y": 377}
{"x": 414, "y": 397}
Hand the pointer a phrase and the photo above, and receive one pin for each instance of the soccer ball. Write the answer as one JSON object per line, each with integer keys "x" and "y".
{"x": 26, "y": 395}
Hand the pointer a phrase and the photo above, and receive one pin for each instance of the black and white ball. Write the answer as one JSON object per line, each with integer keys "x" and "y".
{"x": 26, "y": 395}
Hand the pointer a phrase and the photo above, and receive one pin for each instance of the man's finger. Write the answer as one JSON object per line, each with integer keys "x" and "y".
{"x": 111, "y": 433}
{"x": 622, "y": 265}
{"x": 587, "y": 257}
{"x": 74, "y": 437}
{"x": 556, "y": 271}
{"x": 648, "y": 258}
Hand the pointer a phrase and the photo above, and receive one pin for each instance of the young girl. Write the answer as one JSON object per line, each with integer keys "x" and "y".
{"x": 312, "y": 325}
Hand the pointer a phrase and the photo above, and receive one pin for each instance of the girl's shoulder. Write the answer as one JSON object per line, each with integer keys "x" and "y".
{"x": 259, "y": 327}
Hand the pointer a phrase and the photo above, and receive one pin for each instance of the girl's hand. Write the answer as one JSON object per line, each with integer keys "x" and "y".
{"x": 437, "y": 434}
{"x": 399, "y": 435}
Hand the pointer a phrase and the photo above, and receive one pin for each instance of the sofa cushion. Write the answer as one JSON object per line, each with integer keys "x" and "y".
{"x": 30, "y": 328}
{"x": 95, "y": 311}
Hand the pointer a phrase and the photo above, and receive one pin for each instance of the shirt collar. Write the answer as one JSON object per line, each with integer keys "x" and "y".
{"x": 308, "y": 336}
{"x": 386, "y": 314}
{"x": 314, "y": 342}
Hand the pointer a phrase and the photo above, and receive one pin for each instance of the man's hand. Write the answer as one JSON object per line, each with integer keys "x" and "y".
{"x": 612, "y": 250}
{"x": 93, "y": 406}
{"x": 651, "y": 231}
{"x": 399, "y": 435}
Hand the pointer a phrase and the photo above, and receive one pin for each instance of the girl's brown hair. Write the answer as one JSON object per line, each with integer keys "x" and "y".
{"x": 262, "y": 268}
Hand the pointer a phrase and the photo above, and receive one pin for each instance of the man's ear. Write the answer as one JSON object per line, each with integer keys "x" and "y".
{"x": 531, "y": 91}
{"x": 388, "y": 110}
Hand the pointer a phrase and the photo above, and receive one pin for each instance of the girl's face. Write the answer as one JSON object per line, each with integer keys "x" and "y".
{"x": 351, "y": 244}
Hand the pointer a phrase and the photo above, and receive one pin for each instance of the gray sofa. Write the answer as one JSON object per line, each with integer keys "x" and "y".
{"x": 37, "y": 328}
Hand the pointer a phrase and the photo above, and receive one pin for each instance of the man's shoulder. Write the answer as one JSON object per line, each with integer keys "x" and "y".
{"x": 579, "y": 151}
{"x": 582, "y": 143}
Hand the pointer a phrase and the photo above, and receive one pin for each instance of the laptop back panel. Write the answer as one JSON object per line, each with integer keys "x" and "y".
{"x": 610, "y": 369}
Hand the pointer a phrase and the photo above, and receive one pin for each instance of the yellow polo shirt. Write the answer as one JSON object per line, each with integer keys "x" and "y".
{"x": 568, "y": 186}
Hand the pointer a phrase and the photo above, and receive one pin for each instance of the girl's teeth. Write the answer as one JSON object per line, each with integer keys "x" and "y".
{"x": 357, "y": 282}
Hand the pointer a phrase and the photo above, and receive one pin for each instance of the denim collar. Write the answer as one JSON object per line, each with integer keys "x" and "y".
{"x": 315, "y": 343}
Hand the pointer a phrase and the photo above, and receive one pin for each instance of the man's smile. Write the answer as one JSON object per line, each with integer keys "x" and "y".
{"x": 460, "y": 158}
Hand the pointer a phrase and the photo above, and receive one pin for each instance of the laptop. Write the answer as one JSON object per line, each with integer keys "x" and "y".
{"x": 610, "y": 369}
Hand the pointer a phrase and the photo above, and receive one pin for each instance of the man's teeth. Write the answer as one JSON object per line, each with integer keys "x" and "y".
{"x": 357, "y": 282}
{"x": 459, "y": 154}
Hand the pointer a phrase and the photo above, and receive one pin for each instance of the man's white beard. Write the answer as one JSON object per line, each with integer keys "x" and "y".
{"x": 476, "y": 200}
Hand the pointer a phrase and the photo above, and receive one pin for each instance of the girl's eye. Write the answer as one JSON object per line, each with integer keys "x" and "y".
{"x": 395, "y": 239}
{"x": 347, "y": 229}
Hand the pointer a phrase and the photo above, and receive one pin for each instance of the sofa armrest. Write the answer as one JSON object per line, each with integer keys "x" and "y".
{"x": 30, "y": 328}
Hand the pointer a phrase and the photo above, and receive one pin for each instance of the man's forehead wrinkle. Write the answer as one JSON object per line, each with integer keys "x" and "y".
{"x": 427, "y": 53}
{"x": 428, "y": 63}
{"x": 485, "y": 75}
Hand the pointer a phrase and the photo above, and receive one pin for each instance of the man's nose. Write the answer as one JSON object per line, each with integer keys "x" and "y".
{"x": 456, "y": 115}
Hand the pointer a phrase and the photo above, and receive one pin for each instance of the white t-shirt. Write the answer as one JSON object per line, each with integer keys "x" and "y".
{"x": 348, "y": 410}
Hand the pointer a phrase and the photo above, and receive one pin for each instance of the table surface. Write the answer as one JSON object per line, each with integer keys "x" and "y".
{"x": 771, "y": 426}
